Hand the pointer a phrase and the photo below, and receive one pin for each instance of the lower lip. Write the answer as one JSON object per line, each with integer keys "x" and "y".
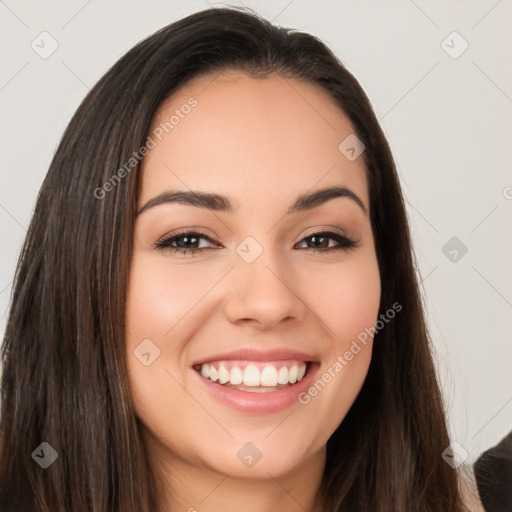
{"x": 259, "y": 403}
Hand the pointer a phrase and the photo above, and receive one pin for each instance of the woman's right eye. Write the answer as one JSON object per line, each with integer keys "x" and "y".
{"x": 187, "y": 242}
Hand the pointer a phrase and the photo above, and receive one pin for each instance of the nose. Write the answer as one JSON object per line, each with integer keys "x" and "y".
{"x": 263, "y": 293}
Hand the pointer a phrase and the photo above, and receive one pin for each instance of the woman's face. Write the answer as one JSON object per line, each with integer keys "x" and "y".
{"x": 278, "y": 285}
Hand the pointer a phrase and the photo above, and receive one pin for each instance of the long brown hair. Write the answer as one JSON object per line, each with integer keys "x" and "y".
{"x": 64, "y": 378}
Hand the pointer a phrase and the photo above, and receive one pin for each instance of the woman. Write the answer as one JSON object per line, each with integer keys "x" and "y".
{"x": 216, "y": 305}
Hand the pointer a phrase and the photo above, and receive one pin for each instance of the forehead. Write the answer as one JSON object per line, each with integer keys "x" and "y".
{"x": 244, "y": 136}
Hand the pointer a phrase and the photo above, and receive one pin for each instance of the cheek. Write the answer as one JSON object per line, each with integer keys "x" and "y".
{"x": 161, "y": 307}
{"x": 347, "y": 301}
{"x": 161, "y": 296}
{"x": 346, "y": 296}
{"x": 158, "y": 301}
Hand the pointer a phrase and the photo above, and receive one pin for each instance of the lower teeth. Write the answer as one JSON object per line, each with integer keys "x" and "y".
{"x": 257, "y": 389}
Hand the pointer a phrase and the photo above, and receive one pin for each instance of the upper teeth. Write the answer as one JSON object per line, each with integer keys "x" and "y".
{"x": 254, "y": 374}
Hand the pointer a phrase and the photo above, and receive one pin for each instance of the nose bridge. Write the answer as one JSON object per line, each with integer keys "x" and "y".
{"x": 261, "y": 288}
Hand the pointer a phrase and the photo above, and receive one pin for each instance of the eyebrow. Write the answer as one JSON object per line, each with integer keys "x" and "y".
{"x": 220, "y": 203}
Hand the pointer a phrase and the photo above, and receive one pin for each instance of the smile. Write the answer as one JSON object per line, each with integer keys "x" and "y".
{"x": 253, "y": 381}
{"x": 254, "y": 376}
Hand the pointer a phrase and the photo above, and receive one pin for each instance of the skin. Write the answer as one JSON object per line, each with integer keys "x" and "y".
{"x": 262, "y": 143}
{"x": 470, "y": 490}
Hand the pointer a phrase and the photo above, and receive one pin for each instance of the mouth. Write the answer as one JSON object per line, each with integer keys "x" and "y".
{"x": 253, "y": 381}
{"x": 255, "y": 376}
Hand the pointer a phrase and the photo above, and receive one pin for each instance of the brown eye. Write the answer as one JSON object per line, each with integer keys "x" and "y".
{"x": 320, "y": 242}
{"x": 186, "y": 242}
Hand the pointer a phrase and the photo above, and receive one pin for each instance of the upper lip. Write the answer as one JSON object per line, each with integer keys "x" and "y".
{"x": 250, "y": 354}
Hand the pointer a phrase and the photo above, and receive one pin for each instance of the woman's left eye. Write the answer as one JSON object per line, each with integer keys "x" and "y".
{"x": 320, "y": 242}
{"x": 190, "y": 242}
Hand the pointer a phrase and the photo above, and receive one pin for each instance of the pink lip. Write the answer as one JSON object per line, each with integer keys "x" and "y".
{"x": 258, "y": 403}
{"x": 257, "y": 355}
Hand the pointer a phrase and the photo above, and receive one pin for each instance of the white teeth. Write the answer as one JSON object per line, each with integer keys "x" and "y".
{"x": 213, "y": 374}
{"x": 282, "y": 376}
{"x": 251, "y": 376}
{"x": 223, "y": 375}
{"x": 292, "y": 376}
{"x": 269, "y": 376}
{"x": 236, "y": 376}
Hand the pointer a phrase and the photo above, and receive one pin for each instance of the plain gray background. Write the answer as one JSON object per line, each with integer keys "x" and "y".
{"x": 447, "y": 114}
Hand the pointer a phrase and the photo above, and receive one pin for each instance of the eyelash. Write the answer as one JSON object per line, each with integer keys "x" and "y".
{"x": 344, "y": 243}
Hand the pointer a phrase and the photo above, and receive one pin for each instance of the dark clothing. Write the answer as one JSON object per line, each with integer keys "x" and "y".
{"x": 493, "y": 475}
